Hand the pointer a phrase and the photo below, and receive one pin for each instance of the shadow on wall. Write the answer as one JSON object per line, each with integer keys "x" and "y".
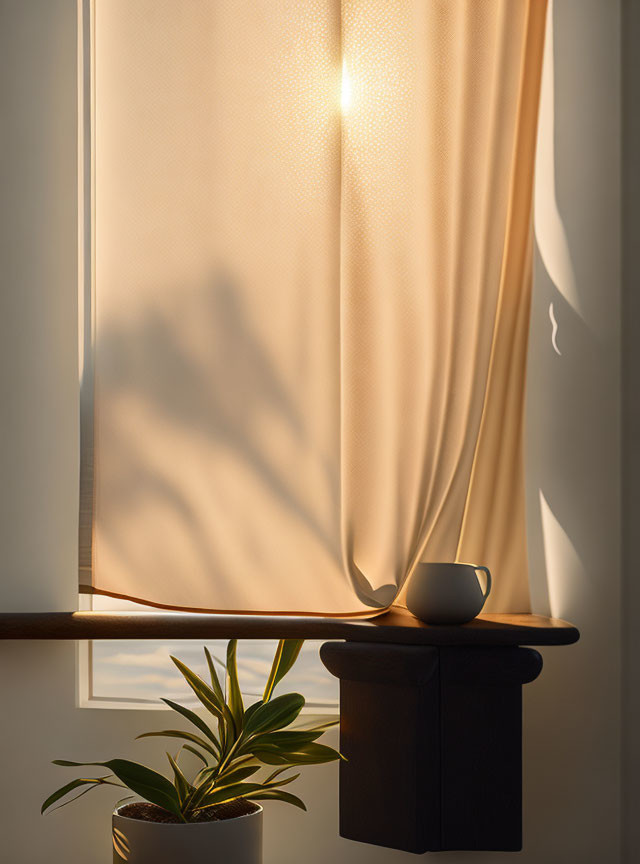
{"x": 573, "y": 448}
{"x": 573, "y": 398}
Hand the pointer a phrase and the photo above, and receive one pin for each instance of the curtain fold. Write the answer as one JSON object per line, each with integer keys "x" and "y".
{"x": 312, "y": 271}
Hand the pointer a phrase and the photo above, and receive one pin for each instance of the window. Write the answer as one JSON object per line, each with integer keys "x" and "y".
{"x": 135, "y": 674}
{"x": 306, "y": 279}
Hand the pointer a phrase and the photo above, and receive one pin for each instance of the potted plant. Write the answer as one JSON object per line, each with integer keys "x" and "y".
{"x": 213, "y": 816}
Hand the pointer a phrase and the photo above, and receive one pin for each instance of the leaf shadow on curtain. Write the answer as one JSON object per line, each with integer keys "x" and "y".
{"x": 193, "y": 394}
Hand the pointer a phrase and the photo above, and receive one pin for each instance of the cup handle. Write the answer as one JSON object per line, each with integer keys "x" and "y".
{"x": 487, "y": 590}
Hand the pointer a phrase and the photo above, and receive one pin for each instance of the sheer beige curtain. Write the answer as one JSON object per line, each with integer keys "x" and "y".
{"x": 311, "y": 264}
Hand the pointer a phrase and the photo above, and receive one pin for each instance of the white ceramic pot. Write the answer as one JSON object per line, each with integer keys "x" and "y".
{"x": 229, "y": 841}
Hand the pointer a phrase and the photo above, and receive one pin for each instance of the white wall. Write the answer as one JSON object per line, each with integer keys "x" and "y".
{"x": 572, "y": 711}
{"x": 572, "y": 715}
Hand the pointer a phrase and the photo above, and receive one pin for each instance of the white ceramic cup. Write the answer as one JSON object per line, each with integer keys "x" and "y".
{"x": 447, "y": 593}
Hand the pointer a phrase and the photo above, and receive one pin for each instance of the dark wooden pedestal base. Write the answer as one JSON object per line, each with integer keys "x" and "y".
{"x": 433, "y": 739}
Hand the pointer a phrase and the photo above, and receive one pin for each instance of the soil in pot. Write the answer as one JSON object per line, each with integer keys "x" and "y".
{"x": 146, "y": 812}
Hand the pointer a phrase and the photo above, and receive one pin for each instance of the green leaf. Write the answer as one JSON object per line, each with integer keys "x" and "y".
{"x": 316, "y": 754}
{"x": 196, "y": 753}
{"x": 310, "y": 754}
{"x": 67, "y": 764}
{"x": 204, "y": 774}
{"x": 197, "y": 721}
{"x": 226, "y": 725}
{"x": 146, "y": 782}
{"x": 251, "y": 710}
{"x": 286, "y": 655}
{"x": 204, "y": 693}
{"x": 185, "y": 736}
{"x": 205, "y": 783}
{"x": 279, "y": 795}
{"x": 285, "y": 740}
{"x": 269, "y": 758}
{"x": 88, "y": 789}
{"x": 182, "y": 785}
{"x": 274, "y": 715}
{"x": 229, "y": 793}
{"x": 277, "y": 773}
{"x": 309, "y": 724}
{"x": 248, "y": 761}
{"x": 237, "y": 775}
{"x": 239, "y": 761}
{"x": 215, "y": 681}
{"x": 234, "y": 696}
{"x": 69, "y": 787}
{"x": 277, "y": 783}
{"x": 206, "y": 780}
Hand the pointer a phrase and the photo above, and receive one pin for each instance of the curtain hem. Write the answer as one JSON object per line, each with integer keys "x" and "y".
{"x": 89, "y": 589}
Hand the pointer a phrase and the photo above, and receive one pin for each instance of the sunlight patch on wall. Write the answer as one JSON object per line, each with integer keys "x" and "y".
{"x": 565, "y": 571}
{"x": 554, "y": 330}
{"x": 551, "y": 234}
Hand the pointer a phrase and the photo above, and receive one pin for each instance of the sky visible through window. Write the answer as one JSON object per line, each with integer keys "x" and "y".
{"x": 142, "y": 671}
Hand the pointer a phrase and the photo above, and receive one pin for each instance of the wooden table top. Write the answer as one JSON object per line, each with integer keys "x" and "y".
{"x": 396, "y": 626}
